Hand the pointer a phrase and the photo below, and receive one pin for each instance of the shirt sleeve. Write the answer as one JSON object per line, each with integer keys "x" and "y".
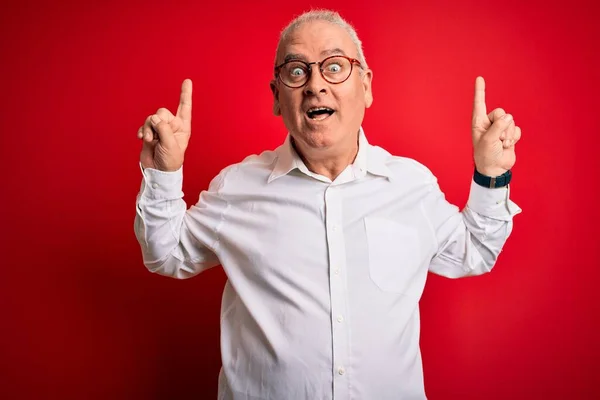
{"x": 176, "y": 241}
{"x": 469, "y": 241}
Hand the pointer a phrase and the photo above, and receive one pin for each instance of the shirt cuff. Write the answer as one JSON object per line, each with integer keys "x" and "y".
{"x": 493, "y": 203}
{"x": 161, "y": 185}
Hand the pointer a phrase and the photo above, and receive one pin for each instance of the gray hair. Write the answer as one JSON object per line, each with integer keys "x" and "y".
{"x": 326, "y": 16}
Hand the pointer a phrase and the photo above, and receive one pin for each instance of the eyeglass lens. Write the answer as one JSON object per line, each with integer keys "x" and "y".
{"x": 333, "y": 69}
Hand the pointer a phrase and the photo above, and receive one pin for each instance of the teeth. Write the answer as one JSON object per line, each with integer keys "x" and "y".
{"x": 319, "y": 109}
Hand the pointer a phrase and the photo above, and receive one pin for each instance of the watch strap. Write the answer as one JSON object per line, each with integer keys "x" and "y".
{"x": 492, "y": 182}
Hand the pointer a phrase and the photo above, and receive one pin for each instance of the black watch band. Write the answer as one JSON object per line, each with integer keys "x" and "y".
{"x": 492, "y": 182}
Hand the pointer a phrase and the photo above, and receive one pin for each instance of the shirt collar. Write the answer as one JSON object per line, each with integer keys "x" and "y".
{"x": 369, "y": 159}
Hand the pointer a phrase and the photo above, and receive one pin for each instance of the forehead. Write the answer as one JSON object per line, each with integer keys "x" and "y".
{"x": 316, "y": 39}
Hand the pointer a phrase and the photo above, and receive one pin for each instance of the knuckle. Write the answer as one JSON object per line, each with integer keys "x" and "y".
{"x": 498, "y": 112}
{"x": 163, "y": 113}
{"x": 506, "y": 122}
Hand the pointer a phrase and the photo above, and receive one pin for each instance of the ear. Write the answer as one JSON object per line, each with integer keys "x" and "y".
{"x": 275, "y": 91}
{"x": 367, "y": 80}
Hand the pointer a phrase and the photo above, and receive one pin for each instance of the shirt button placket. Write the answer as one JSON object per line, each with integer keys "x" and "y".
{"x": 337, "y": 260}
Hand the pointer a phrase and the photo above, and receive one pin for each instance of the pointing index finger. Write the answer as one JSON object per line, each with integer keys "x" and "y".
{"x": 479, "y": 108}
{"x": 184, "y": 111}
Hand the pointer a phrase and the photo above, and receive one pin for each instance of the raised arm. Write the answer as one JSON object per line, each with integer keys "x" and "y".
{"x": 470, "y": 241}
{"x": 175, "y": 242}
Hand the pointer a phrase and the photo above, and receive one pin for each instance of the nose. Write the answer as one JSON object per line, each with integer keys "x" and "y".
{"x": 316, "y": 83}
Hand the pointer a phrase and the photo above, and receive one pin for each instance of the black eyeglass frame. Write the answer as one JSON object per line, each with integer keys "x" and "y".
{"x": 319, "y": 63}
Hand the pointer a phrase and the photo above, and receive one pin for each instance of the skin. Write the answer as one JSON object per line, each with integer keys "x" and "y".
{"x": 494, "y": 136}
{"x": 165, "y": 149}
{"x": 327, "y": 147}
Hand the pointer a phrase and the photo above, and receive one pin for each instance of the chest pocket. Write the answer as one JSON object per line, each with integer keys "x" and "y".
{"x": 395, "y": 254}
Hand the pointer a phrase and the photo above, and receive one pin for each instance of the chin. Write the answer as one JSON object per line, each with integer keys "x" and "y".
{"x": 318, "y": 138}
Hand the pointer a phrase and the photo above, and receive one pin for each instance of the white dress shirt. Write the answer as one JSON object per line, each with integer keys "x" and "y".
{"x": 324, "y": 278}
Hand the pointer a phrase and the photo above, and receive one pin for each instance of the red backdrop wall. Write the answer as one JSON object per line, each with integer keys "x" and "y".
{"x": 83, "y": 319}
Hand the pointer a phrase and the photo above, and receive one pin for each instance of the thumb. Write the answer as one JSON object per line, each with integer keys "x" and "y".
{"x": 499, "y": 125}
{"x": 496, "y": 114}
{"x": 164, "y": 130}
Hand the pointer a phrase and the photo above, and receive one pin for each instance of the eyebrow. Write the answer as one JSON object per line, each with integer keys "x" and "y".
{"x": 331, "y": 52}
{"x": 324, "y": 53}
{"x": 293, "y": 56}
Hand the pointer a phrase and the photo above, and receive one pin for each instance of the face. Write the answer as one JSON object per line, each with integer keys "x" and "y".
{"x": 314, "y": 41}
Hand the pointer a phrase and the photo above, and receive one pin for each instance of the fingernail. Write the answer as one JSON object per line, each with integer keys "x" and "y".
{"x": 155, "y": 120}
{"x": 507, "y": 117}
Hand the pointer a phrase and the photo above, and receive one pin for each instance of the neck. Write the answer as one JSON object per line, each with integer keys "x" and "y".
{"x": 329, "y": 162}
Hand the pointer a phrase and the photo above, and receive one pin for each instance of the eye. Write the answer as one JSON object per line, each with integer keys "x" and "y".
{"x": 334, "y": 67}
{"x": 297, "y": 72}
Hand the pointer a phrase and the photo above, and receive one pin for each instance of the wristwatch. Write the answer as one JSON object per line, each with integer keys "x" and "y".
{"x": 492, "y": 182}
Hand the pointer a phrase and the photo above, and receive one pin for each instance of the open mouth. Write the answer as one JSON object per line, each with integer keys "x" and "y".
{"x": 319, "y": 113}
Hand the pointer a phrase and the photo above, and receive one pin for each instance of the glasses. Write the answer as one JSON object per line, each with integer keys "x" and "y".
{"x": 334, "y": 69}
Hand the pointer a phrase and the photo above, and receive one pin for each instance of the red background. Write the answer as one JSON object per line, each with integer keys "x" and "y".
{"x": 83, "y": 319}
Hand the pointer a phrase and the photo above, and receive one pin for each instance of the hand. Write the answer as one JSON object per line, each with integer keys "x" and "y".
{"x": 494, "y": 136}
{"x": 166, "y": 136}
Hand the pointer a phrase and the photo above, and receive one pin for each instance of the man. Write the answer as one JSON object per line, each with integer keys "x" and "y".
{"x": 326, "y": 241}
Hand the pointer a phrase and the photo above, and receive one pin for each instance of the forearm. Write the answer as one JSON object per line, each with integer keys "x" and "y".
{"x": 471, "y": 241}
{"x": 168, "y": 246}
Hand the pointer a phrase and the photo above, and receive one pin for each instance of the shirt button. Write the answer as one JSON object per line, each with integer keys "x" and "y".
{"x": 341, "y": 371}
{"x": 334, "y": 228}
{"x": 336, "y": 271}
{"x": 155, "y": 185}
{"x": 340, "y": 319}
